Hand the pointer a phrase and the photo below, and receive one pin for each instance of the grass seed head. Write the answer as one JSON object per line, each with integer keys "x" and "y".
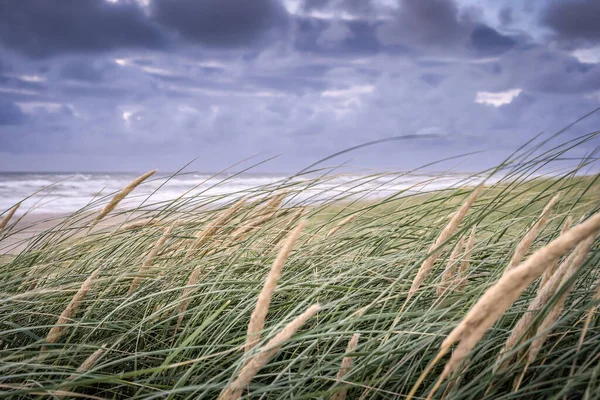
{"x": 235, "y": 389}
{"x": 121, "y": 195}
{"x": 4, "y": 221}
{"x": 527, "y": 240}
{"x": 448, "y": 231}
{"x": 257, "y": 319}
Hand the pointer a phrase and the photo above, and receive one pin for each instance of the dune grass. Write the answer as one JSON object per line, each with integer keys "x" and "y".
{"x": 166, "y": 314}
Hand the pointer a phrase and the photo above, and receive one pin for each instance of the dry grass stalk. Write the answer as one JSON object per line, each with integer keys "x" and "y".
{"x": 524, "y": 326}
{"x": 141, "y": 223}
{"x": 59, "y": 328}
{"x": 525, "y": 243}
{"x": 9, "y": 215}
{"x": 258, "y": 361}
{"x": 586, "y": 325}
{"x": 263, "y": 215}
{"x": 448, "y": 231}
{"x": 185, "y": 301}
{"x": 464, "y": 266}
{"x": 204, "y": 235}
{"x": 343, "y": 223}
{"x": 498, "y": 298}
{"x": 345, "y": 367}
{"x": 90, "y": 361}
{"x": 85, "y": 366}
{"x": 575, "y": 261}
{"x": 121, "y": 195}
{"x": 451, "y": 268}
{"x": 283, "y": 234}
{"x": 552, "y": 268}
{"x": 257, "y": 319}
{"x": 150, "y": 258}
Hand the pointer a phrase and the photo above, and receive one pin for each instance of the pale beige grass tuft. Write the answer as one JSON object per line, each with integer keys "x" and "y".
{"x": 527, "y": 240}
{"x": 448, "y": 231}
{"x": 345, "y": 367}
{"x": 552, "y": 268}
{"x": 204, "y": 235}
{"x": 463, "y": 271}
{"x": 185, "y": 301}
{"x": 150, "y": 258}
{"x": 121, "y": 195}
{"x": 263, "y": 215}
{"x": 4, "y": 221}
{"x": 523, "y": 328}
{"x": 85, "y": 366}
{"x": 59, "y": 328}
{"x": 451, "y": 270}
{"x": 343, "y": 223}
{"x": 257, "y": 319}
{"x": 141, "y": 223}
{"x": 575, "y": 261}
{"x": 235, "y": 389}
{"x": 586, "y": 325}
{"x": 498, "y": 298}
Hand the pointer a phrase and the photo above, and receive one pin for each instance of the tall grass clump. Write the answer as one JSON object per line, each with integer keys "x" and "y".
{"x": 483, "y": 287}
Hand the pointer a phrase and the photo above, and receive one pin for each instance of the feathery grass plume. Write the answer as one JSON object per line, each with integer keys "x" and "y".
{"x": 264, "y": 214}
{"x": 185, "y": 301}
{"x": 59, "y": 328}
{"x": 345, "y": 367}
{"x": 141, "y": 223}
{"x": 575, "y": 261}
{"x": 85, "y": 366}
{"x": 464, "y": 265}
{"x": 451, "y": 269}
{"x": 150, "y": 259}
{"x": 121, "y": 195}
{"x": 524, "y": 326}
{"x": 9, "y": 215}
{"x": 257, "y": 319}
{"x": 235, "y": 389}
{"x": 448, "y": 231}
{"x": 205, "y": 234}
{"x": 586, "y": 325}
{"x": 344, "y": 222}
{"x": 525, "y": 243}
{"x": 552, "y": 268}
{"x": 498, "y": 298}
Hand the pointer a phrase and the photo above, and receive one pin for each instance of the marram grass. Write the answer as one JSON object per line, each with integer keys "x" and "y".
{"x": 198, "y": 264}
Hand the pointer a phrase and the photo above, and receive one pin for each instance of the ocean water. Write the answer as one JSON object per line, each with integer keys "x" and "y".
{"x": 62, "y": 193}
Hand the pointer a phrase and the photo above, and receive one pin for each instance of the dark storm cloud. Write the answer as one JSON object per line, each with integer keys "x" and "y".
{"x": 440, "y": 26}
{"x": 242, "y": 77}
{"x": 41, "y": 28}
{"x": 505, "y": 16}
{"x": 80, "y": 70}
{"x": 336, "y": 37}
{"x": 360, "y": 7}
{"x": 10, "y": 113}
{"x": 488, "y": 41}
{"x": 573, "y": 21}
{"x": 223, "y": 23}
{"x": 429, "y": 23}
{"x": 539, "y": 69}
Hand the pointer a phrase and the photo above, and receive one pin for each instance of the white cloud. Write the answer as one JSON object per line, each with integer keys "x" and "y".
{"x": 590, "y": 56}
{"x": 31, "y": 107}
{"x": 497, "y": 99}
{"x": 349, "y": 93}
{"x": 32, "y": 78}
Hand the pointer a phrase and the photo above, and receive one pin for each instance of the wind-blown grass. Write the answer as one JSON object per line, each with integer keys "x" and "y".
{"x": 199, "y": 264}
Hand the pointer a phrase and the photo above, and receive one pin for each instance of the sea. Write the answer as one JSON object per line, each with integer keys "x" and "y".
{"x": 63, "y": 193}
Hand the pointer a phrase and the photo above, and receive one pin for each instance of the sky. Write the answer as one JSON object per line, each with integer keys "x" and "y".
{"x": 131, "y": 85}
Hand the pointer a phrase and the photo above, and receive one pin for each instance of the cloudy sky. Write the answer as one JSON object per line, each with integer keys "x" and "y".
{"x": 128, "y": 85}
